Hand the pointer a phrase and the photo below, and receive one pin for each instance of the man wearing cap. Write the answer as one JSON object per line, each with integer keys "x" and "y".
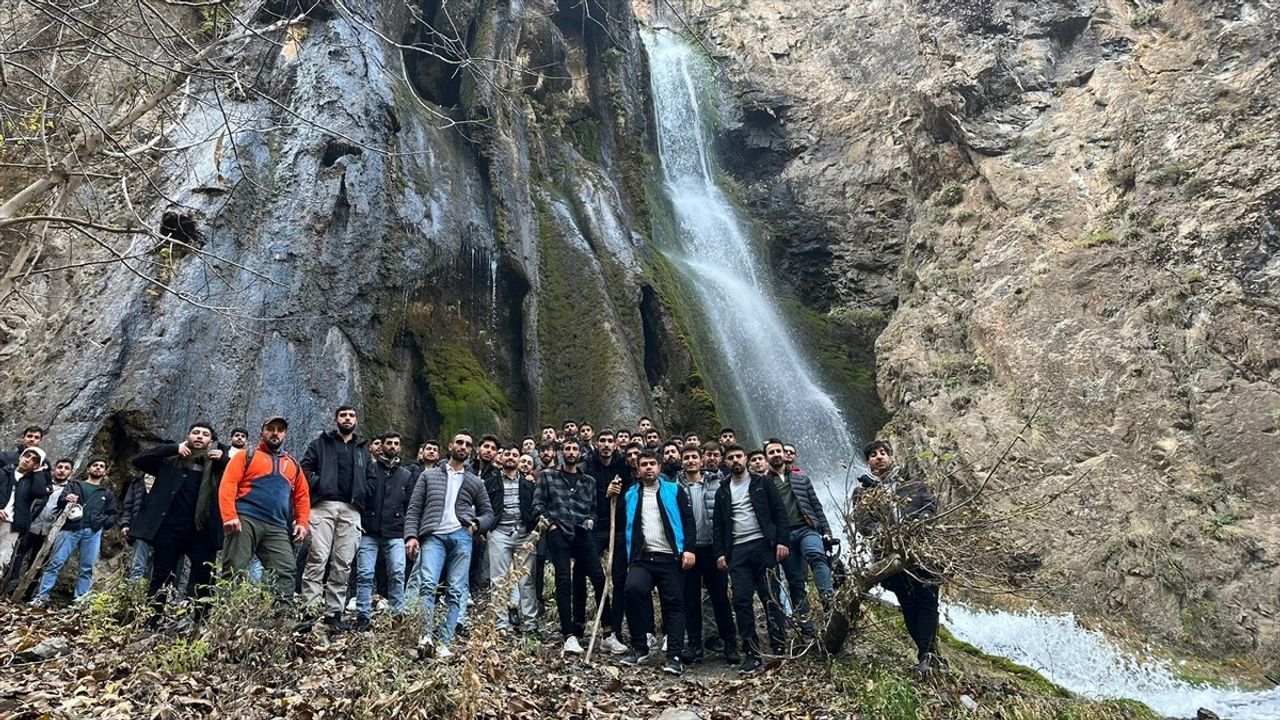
{"x": 262, "y": 495}
{"x": 30, "y": 464}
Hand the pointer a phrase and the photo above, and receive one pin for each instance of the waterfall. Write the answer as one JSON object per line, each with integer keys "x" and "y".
{"x": 771, "y": 390}
{"x": 764, "y": 385}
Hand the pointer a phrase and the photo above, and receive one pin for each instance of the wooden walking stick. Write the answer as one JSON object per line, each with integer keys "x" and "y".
{"x": 43, "y": 553}
{"x": 608, "y": 575}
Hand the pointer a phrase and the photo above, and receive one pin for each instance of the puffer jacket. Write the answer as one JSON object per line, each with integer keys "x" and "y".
{"x": 426, "y": 506}
{"x": 702, "y": 500}
{"x": 807, "y": 499}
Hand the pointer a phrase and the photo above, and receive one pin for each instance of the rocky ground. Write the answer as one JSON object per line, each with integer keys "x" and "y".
{"x": 1073, "y": 205}
{"x": 96, "y": 661}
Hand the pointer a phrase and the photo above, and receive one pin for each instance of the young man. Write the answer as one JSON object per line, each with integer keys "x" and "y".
{"x": 644, "y": 425}
{"x": 485, "y": 467}
{"x": 262, "y": 495}
{"x": 529, "y": 446}
{"x": 888, "y": 495}
{"x": 375, "y": 447}
{"x": 789, "y": 454}
{"x": 390, "y": 485}
{"x": 35, "y": 505}
{"x": 623, "y": 437}
{"x": 239, "y": 441}
{"x": 548, "y": 459}
{"x": 587, "y": 434}
{"x": 448, "y": 506}
{"x": 606, "y": 464}
{"x": 659, "y": 533}
{"x": 14, "y": 521}
{"x": 83, "y": 532}
{"x": 728, "y": 437}
{"x": 749, "y": 537}
{"x": 31, "y": 436}
{"x": 179, "y": 518}
{"x": 701, "y": 487}
{"x": 566, "y": 497}
{"x": 511, "y": 495}
{"x": 549, "y": 434}
{"x": 337, "y": 466}
{"x": 757, "y": 463}
{"x": 712, "y": 457}
{"x": 670, "y": 457}
{"x": 134, "y": 498}
{"x": 809, "y": 532}
{"x": 652, "y": 439}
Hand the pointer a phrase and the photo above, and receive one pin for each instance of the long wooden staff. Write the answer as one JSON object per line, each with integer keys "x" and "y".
{"x": 608, "y": 575}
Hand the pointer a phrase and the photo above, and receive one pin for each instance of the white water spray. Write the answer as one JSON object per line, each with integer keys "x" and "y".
{"x": 775, "y": 393}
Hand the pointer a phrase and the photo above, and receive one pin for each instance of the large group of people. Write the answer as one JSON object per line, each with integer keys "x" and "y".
{"x": 471, "y": 524}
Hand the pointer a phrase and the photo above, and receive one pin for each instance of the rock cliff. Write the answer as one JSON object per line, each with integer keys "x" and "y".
{"x": 1072, "y": 205}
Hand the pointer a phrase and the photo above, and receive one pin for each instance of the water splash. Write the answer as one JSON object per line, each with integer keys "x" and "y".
{"x": 1089, "y": 663}
{"x": 766, "y": 385}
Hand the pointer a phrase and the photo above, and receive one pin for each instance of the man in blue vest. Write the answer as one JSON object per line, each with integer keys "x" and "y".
{"x": 660, "y": 536}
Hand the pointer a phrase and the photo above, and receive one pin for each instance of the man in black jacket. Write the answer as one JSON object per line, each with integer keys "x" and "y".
{"x": 29, "y": 468}
{"x": 180, "y": 517}
{"x": 605, "y": 464}
{"x": 336, "y": 465}
{"x": 660, "y": 534}
{"x": 511, "y": 495}
{"x": 749, "y": 536}
{"x": 32, "y": 436}
{"x": 387, "y": 502}
{"x": 485, "y": 466}
{"x": 887, "y": 498}
{"x": 31, "y": 494}
{"x": 134, "y": 498}
{"x": 809, "y": 533}
{"x": 82, "y": 530}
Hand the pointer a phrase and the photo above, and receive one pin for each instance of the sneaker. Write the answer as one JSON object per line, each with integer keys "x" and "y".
{"x": 731, "y": 656}
{"x": 652, "y": 640}
{"x": 335, "y": 623}
{"x": 382, "y": 605}
{"x": 39, "y": 602}
{"x": 572, "y": 646}
{"x": 613, "y": 645}
{"x": 443, "y": 652}
{"x": 664, "y": 644}
{"x": 362, "y": 623}
{"x": 635, "y": 657}
{"x": 351, "y": 605}
{"x": 750, "y": 665}
{"x": 673, "y": 666}
{"x": 692, "y": 656}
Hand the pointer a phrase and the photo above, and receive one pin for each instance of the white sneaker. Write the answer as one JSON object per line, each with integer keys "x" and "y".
{"x": 351, "y": 605}
{"x": 664, "y": 644}
{"x": 382, "y": 605}
{"x": 612, "y": 645}
{"x": 443, "y": 652}
{"x": 652, "y": 640}
{"x": 572, "y": 646}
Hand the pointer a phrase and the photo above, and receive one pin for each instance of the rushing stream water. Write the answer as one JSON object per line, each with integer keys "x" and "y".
{"x": 764, "y": 382}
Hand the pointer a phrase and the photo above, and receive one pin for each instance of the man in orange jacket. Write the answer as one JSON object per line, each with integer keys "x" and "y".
{"x": 262, "y": 495}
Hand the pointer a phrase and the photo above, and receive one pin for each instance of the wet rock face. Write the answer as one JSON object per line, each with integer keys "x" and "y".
{"x": 1070, "y": 205}
{"x": 421, "y": 235}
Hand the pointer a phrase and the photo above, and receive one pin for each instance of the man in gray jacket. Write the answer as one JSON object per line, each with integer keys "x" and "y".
{"x": 701, "y": 487}
{"x": 449, "y": 505}
{"x": 809, "y": 532}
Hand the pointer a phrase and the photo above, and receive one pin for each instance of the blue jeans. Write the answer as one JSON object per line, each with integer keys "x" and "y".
{"x": 367, "y": 560}
{"x": 451, "y": 555}
{"x": 807, "y": 552}
{"x": 89, "y": 542}
{"x": 141, "y": 559}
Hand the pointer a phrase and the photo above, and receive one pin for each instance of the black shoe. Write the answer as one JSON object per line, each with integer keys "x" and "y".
{"x": 362, "y": 623}
{"x": 731, "y": 656}
{"x": 635, "y": 657}
{"x": 336, "y": 623}
{"x": 715, "y": 645}
{"x": 779, "y": 650}
{"x": 692, "y": 656}
{"x": 750, "y": 665}
{"x": 673, "y": 666}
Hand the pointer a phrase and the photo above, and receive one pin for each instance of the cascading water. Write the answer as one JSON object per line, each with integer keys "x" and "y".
{"x": 774, "y": 392}
{"x": 774, "y": 389}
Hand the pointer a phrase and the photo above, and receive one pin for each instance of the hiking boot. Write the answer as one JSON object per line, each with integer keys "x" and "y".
{"x": 572, "y": 646}
{"x": 635, "y": 657}
{"x": 613, "y": 645}
{"x": 362, "y": 623}
{"x": 673, "y": 666}
{"x": 335, "y": 623}
{"x": 751, "y": 664}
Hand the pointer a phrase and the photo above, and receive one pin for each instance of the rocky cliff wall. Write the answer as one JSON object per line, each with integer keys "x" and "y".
{"x": 1073, "y": 205}
{"x": 433, "y": 211}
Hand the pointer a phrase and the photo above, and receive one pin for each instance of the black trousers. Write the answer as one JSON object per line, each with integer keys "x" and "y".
{"x": 919, "y": 602}
{"x": 617, "y": 575}
{"x": 569, "y": 555}
{"x": 749, "y": 567}
{"x": 478, "y": 572}
{"x": 705, "y": 574}
{"x": 643, "y": 575}
{"x": 24, "y": 554}
{"x": 167, "y": 550}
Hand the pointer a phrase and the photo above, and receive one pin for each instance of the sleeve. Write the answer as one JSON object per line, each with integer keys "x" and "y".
{"x": 130, "y": 495}
{"x": 485, "y": 519}
{"x": 109, "y": 512}
{"x": 823, "y": 526}
{"x": 311, "y": 459}
{"x": 73, "y": 488}
{"x": 540, "y": 500}
{"x": 413, "y": 516}
{"x": 229, "y": 488}
{"x": 150, "y": 461}
{"x": 687, "y": 523}
{"x": 718, "y": 528}
{"x": 301, "y": 499}
{"x": 928, "y": 502}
